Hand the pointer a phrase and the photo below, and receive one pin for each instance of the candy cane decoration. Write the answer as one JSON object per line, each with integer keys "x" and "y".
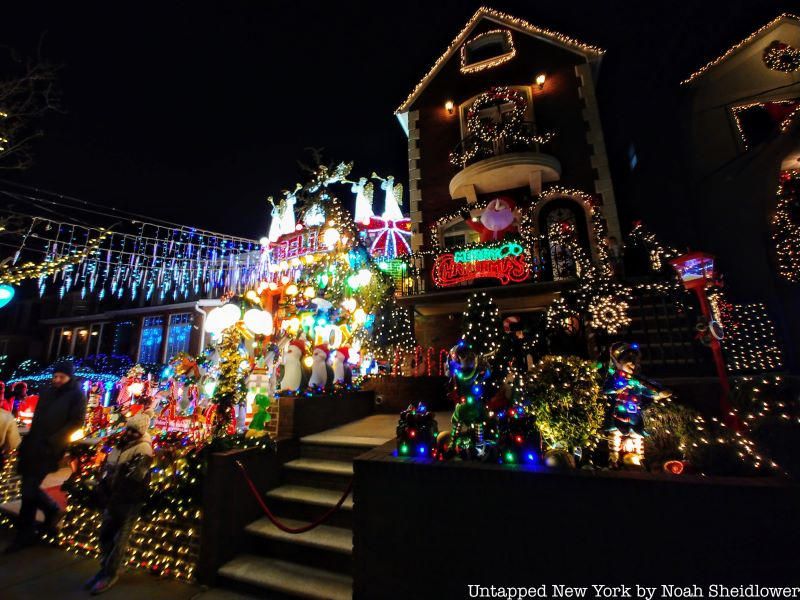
{"x": 443, "y": 355}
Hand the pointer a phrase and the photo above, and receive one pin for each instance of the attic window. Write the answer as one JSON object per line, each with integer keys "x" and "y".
{"x": 487, "y": 50}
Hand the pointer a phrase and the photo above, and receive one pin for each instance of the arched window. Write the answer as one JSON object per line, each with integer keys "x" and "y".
{"x": 562, "y": 214}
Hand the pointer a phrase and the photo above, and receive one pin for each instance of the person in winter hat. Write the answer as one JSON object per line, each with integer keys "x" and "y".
{"x": 59, "y": 413}
{"x": 18, "y": 395}
{"x": 122, "y": 490}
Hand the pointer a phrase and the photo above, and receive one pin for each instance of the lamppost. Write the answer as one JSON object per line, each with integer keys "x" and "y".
{"x": 696, "y": 270}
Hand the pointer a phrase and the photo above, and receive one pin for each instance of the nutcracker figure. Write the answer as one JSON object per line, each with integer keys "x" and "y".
{"x": 630, "y": 395}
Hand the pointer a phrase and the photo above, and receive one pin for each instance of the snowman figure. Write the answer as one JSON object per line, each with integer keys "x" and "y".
{"x": 319, "y": 367}
{"x": 292, "y": 377}
{"x": 342, "y": 373}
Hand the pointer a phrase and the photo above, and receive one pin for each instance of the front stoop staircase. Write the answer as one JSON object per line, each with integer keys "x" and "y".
{"x": 315, "y": 564}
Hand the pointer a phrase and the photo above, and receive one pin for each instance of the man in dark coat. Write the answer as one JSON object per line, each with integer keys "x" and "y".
{"x": 60, "y": 412}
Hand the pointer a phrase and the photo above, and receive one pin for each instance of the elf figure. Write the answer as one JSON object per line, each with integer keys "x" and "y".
{"x": 630, "y": 395}
{"x": 261, "y": 416}
{"x": 470, "y": 377}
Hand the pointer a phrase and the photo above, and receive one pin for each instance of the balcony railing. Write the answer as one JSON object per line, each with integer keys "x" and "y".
{"x": 473, "y": 149}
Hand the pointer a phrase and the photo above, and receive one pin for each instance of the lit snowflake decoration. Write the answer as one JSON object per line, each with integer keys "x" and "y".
{"x": 609, "y": 313}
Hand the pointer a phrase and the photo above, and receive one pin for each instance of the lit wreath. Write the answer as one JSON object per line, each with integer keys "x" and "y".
{"x": 490, "y": 132}
{"x": 782, "y": 57}
{"x": 609, "y": 313}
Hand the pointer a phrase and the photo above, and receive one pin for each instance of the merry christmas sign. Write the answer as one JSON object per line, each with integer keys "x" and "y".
{"x": 506, "y": 262}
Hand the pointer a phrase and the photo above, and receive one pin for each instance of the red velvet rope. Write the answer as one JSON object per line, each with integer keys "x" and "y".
{"x": 285, "y": 528}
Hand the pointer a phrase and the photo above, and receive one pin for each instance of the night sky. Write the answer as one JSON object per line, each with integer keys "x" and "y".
{"x": 195, "y": 112}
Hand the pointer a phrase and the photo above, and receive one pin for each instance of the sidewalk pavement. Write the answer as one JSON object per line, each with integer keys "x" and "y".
{"x": 45, "y": 572}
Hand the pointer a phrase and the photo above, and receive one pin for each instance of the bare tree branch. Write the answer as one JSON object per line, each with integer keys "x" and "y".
{"x": 27, "y": 92}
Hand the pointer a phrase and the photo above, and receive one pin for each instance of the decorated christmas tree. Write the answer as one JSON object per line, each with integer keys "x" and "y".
{"x": 481, "y": 325}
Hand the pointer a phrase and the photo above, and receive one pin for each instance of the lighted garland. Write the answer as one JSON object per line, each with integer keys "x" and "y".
{"x": 10, "y": 274}
{"x": 230, "y": 389}
{"x": 510, "y": 128}
{"x": 657, "y": 252}
{"x": 786, "y": 232}
{"x": 782, "y": 57}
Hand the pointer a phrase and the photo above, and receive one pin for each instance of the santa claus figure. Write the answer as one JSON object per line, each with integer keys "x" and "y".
{"x": 496, "y": 220}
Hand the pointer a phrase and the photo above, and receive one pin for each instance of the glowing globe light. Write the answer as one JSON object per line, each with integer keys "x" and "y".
{"x": 354, "y": 281}
{"x": 292, "y": 325}
{"x": 136, "y": 388}
{"x": 222, "y": 317}
{"x": 349, "y": 304}
{"x": 6, "y": 294}
{"x": 210, "y": 387}
{"x": 291, "y": 290}
{"x": 331, "y": 237}
{"x": 308, "y": 361}
{"x": 359, "y": 316}
{"x": 365, "y": 275}
{"x": 309, "y": 292}
{"x": 258, "y": 321}
{"x": 264, "y": 241}
{"x": 252, "y": 295}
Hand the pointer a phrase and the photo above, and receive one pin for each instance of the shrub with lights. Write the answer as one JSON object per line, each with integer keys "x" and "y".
{"x": 567, "y": 406}
{"x": 417, "y": 431}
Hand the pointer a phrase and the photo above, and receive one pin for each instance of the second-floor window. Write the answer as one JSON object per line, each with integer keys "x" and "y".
{"x": 487, "y": 50}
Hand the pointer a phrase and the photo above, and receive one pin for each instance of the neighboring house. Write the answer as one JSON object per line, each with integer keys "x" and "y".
{"x": 148, "y": 334}
{"x": 499, "y": 74}
{"x": 741, "y": 153}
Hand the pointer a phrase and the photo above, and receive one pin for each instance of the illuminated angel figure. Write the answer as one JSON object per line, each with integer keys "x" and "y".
{"x": 394, "y": 196}
{"x": 391, "y": 232}
{"x": 630, "y": 395}
{"x": 288, "y": 223}
{"x": 364, "y": 192}
{"x": 276, "y": 221}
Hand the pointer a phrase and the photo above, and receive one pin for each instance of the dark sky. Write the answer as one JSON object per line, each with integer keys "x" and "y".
{"x": 196, "y": 111}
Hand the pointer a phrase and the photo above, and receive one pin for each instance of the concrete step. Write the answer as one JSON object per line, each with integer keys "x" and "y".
{"x": 288, "y": 578}
{"x": 308, "y": 503}
{"x": 309, "y": 495}
{"x": 319, "y": 473}
{"x": 330, "y": 467}
{"x": 323, "y": 537}
{"x": 343, "y": 448}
